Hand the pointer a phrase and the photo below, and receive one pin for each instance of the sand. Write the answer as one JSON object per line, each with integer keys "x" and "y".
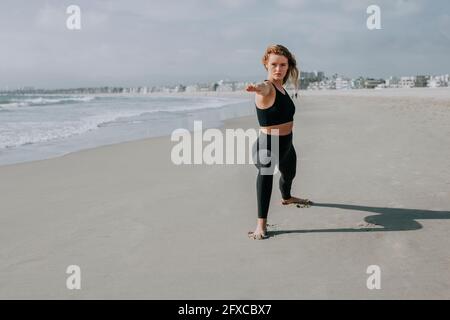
{"x": 140, "y": 227}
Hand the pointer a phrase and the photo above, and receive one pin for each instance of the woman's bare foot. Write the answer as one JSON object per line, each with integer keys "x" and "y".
{"x": 260, "y": 231}
{"x": 304, "y": 202}
{"x": 258, "y": 234}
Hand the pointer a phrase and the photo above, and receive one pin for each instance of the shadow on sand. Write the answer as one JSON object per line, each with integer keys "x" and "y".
{"x": 386, "y": 219}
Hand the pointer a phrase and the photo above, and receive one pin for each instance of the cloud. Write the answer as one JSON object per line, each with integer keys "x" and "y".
{"x": 131, "y": 41}
{"x": 292, "y": 4}
{"x": 50, "y": 17}
{"x": 408, "y": 7}
{"x": 444, "y": 25}
{"x": 236, "y": 4}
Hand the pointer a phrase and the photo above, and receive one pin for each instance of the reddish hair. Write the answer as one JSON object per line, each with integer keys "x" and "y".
{"x": 292, "y": 73}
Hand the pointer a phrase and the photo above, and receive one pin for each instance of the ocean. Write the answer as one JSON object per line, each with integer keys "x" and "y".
{"x": 36, "y": 127}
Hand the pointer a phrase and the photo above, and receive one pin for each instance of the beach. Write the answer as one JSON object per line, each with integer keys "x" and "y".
{"x": 375, "y": 162}
{"x": 43, "y": 126}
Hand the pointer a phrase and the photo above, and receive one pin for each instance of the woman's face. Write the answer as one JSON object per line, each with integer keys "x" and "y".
{"x": 277, "y": 66}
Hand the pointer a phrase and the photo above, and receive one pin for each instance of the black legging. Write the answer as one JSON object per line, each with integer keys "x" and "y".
{"x": 263, "y": 154}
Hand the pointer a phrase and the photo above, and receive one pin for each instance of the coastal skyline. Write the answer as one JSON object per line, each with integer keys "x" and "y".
{"x": 315, "y": 80}
{"x": 142, "y": 43}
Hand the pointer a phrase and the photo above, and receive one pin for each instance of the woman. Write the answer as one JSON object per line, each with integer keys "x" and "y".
{"x": 275, "y": 111}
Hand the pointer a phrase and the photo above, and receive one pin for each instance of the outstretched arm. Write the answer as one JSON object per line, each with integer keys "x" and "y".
{"x": 262, "y": 88}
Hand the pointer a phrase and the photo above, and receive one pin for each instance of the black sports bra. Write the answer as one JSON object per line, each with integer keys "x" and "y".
{"x": 282, "y": 110}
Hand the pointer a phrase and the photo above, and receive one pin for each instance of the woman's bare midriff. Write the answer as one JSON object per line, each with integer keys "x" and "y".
{"x": 284, "y": 129}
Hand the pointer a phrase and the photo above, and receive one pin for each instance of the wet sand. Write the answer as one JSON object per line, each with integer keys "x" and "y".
{"x": 140, "y": 227}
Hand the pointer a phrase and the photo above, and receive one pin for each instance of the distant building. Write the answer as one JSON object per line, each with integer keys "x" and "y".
{"x": 321, "y": 85}
{"x": 306, "y": 79}
{"x": 192, "y": 88}
{"x": 392, "y": 82}
{"x": 343, "y": 84}
{"x": 381, "y": 86}
{"x": 308, "y": 75}
{"x": 238, "y": 86}
{"x": 142, "y": 90}
{"x": 320, "y": 75}
{"x": 204, "y": 89}
{"x": 180, "y": 88}
{"x": 421, "y": 81}
{"x": 438, "y": 81}
{"x": 357, "y": 83}
{"x": 223, "y": 86}
{"x": 407, "y": 82}
{"x": 372, "y": 83}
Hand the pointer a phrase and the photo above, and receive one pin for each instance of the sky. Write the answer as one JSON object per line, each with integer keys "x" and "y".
{"x": 156, "y": 42}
